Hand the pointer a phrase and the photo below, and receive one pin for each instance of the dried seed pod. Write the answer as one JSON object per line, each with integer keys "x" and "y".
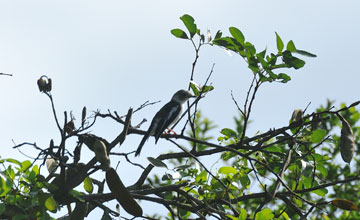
{"x": 71, "y": 172}
{"x": 88, "y": 139}
{"x": 80, "y": 211}
{"x": 347, "y": 141}
{"x": 42, "y": 83}
{"x": 83, "y": 116}
{"x": 101, "y": 154}
{"x": 69, "y": 127}
{"x": 51, "y": 146}
{"x": 98, "y": 147}
{"x": 344, "y": 204}
{"x": 315, "y": 122}
{"x": 297, "y": 116}
{"x": 121, "y": 194}
{"x": 49, "y": 85}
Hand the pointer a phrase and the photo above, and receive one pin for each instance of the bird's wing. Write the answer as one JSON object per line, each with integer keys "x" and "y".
{"x": 165, "y": 117}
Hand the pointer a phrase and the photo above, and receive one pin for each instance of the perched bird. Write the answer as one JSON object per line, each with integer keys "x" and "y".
{"x": 165, "y": 117}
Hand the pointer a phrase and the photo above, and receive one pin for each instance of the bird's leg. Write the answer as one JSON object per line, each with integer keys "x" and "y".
{"x": 169, "y": 131}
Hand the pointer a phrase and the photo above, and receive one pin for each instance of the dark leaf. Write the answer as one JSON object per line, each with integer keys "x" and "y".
{"x": 189, "y": 23}
{"x": 304, "y": 53}
{"x": 284, "y": 77}
{"x": 179, "y": 33}
{"x": 249, "y": 47}
{"x": 236, "y": 33}
{"x": 292, "y": 61}
{"x": 271, "y": 59}
{"x": 262, "y": 54}
{"x": 263, "y": 62}
{"x": 279, "y": 43}
{"x": 218, "y": 34}
{"x": 156, "y": 162}
{"x": 291, "y": 46}
{"x": 228, "y": 132}
{"x": 207, "y": 88}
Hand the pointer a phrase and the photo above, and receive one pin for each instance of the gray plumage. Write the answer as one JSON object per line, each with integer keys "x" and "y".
{"x": 165, "y": 117}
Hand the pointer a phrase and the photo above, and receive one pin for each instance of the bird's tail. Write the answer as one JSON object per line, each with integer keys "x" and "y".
{"x": 138, "y": 150}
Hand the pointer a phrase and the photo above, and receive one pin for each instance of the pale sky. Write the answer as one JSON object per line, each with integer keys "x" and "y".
{"x": 119, "y": 54}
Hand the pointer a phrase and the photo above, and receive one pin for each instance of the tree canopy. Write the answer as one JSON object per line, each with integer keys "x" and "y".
{"x": 298, "y": 171}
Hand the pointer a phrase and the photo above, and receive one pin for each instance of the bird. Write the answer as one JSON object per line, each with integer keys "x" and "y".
{"x": 165, "y": 117}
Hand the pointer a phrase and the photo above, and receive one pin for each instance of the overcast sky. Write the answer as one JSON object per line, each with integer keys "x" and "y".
{"x": 119, "y": 54}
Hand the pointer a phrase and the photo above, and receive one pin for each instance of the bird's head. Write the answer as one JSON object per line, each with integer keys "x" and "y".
{"x": 182, "y": 96}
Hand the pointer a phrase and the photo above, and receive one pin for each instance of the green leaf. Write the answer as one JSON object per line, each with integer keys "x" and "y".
{"x": 231, "y": 217}
{"x": 284, "y": 77}
{"x": 292, "y": 61}
{"x": 250, "y": 47}
{"x": 25, "y": 165}
{"x": 307, "y": 172}
{"x": 307, "y": 182}
{"x": 194, "y": 89}
{"x": 184, "y": 213}
{"x": 285, "y": 215}
{"x": 228, "y": 170}
{"x": 218, "y": 34}
{"x": 321, "y": 168}
{"x": 228, "y": 132}
{"x": 88, "y": 185}
{"x": 179, "y": 33}
{"x": 202, "y": 177}
{"x": 320, "y": 192}
{"x": 274, "y": 148}
{"x": 20, "y": 217}
{"x": 263, "y": 62}
{"x": 223, "y": 42}
{"x": 243, "y": 214}
{"x": 265, "y": 214}
{"x": 245, "y": 181}
{"x": 261, "y": 54}
{"x": 77, "y": 195}
{"x": 291, "y": 46}
{"x": 272, "y": 75}
{"x": 2, "y": 208}
{"x": 35, "y": 169}
{"x": 305, "y": 53}
{"x": 14, "y": 161}
{"x": 237, "y": 34}
{"x": 50, "y": 204}
{"x": 298, "y": 202}
{"x": 318, "y": 135}
{"x": 207, "y": 88}
{"x": 279, "y": 43}
{"x": 230, "y": 43}
{"x": 5, "y": 186}
{"x": 156, "y": 162}
{"x": 182, "y": 167}
{"x": 263, "y": 78}
{"x": 189, "y": 23}
{"x": 271, "y": 59}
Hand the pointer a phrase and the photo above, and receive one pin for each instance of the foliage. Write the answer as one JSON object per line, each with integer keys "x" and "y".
{"x": 23, "y": 192}
{"x": 292, "y": 172}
